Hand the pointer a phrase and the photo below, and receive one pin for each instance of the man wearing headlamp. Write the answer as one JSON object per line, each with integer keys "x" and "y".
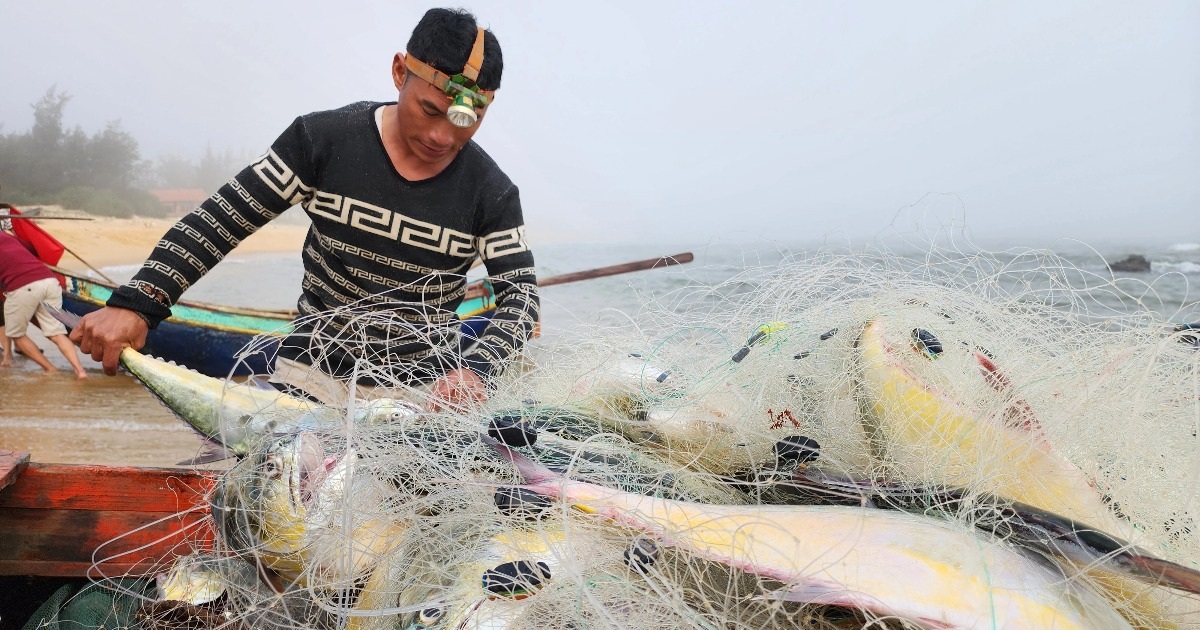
{"x": 402, "y": 202}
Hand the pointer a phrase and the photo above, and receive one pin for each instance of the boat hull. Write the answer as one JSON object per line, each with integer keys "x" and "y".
{"x": 67, "y": 520}
{"x": 215, "y": 340}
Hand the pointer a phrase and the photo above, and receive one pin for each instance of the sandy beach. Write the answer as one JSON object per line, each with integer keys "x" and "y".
{"x": 105, "y": 420}
{"x": 107, "y": 241}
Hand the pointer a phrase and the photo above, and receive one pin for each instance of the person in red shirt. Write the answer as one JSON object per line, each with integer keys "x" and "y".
{"x": 26, "y": 283}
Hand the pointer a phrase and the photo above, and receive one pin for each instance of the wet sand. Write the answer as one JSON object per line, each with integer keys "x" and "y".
{"x": 100, "y": 420}
{"x": 104, "y": 420}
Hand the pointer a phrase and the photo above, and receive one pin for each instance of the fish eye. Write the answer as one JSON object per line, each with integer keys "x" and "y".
{"x": 926, "y": 343}
{"x": 429, "y": 615}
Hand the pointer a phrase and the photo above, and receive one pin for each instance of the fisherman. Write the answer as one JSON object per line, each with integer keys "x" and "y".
{"x": 402, "y": 201}
{"x": 5, "y": 343}
{"x": 27, "y": 282}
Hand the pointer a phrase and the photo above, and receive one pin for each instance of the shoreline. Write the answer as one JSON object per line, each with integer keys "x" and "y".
{"x": 110, "y": 242}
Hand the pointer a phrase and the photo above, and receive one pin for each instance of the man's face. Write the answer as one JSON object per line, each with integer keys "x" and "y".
{"x": 424, "y": 127}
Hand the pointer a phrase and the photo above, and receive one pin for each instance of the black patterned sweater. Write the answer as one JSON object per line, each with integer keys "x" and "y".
{"x": 387, "y": 255}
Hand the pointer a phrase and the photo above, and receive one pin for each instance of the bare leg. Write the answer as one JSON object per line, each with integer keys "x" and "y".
{"x": 30, "y": 349}
{"x": 5, "y": 349}
{"x": 68, "y": 350}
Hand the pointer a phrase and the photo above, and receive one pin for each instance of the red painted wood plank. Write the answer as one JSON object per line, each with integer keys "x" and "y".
{"x": 77, "y": 487}
{"x": 12, "y": 464}
{"x": 115, "y": 542}
{"x": 74, "y": 521}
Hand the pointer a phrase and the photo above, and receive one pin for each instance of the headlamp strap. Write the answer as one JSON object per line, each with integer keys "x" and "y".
{"x": 442, "y": 81}
{"x": 475, "y": 61}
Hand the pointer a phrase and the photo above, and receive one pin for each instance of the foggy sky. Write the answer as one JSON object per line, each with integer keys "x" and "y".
{"x": 694, "y": 121}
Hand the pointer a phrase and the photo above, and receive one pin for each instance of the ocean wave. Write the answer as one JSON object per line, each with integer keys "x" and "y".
{"x": 1184, "y": 247}
{"x": 1186, "y": 266}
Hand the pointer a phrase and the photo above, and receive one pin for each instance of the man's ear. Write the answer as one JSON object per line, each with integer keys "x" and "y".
{"x": 399, "y": 71}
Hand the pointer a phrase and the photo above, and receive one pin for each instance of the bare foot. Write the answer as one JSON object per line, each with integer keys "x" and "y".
{"x": 81, "y": 375}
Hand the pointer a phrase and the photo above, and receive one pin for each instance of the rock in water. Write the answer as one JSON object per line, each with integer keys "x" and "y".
{"x": 1135, "y": 262}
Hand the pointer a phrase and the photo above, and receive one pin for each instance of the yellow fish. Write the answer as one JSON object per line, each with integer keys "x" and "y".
{"x": 908, "y": 382}
{"x": 932, "y": 437}
{"x": 287, "y": 505}
{"x": 889, "y": 563}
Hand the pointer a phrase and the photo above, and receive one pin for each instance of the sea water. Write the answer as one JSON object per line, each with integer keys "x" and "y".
{"x": 113, "y": 420}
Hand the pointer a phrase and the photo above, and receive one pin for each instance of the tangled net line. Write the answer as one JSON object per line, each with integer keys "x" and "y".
{"x": 719, "y": 395}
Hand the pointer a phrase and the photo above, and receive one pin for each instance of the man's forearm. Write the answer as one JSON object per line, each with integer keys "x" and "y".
{"x": 511, "y": 326}
{"x": 196, "y": 243}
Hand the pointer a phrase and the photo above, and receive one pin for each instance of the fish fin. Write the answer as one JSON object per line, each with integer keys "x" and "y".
{"x": 1163, "y": 572}
{"x": 70, "y": 320}
{"x": 1082, "y": 545}
{"x": 823, "y": 593}
{"x": 210, "y": 452}
{"x": 259, "y": 382}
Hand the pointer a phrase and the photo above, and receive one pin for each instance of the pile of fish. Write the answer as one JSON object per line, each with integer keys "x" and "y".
{"x": 904, "y": 459}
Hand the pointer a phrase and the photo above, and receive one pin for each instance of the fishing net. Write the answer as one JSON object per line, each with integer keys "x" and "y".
{"x": 919, "y": 395}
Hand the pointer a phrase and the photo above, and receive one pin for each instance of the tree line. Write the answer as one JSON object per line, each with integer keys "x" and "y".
{"x": 102, "y": 173}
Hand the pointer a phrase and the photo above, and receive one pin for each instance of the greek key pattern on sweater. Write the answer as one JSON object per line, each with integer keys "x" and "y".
{"x": 392, "y": 225}
{"x": 250, "y": 201}
{"x": 199, "y": 239}
{"x": 503, "y": 243}
{"x": 335, "y": 245}
{"x": 279, "y": 177}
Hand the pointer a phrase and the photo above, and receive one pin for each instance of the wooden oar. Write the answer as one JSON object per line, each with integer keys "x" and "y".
{"x": 612, "y": 270}
{"x": 477, "y": 289}
{"x": 40, "y": 218}
{"x": 89, "y": 265}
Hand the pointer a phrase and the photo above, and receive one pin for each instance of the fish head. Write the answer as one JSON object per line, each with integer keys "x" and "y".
{"x": 193, "y": 579}
{"x": 628, "y": 380}
{"x": 927, "y": 349}
{"x": 386, "y": 411}
{"x": 263, "y": 504}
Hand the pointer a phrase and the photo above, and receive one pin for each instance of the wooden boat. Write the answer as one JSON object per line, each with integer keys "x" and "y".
{"x": 68, "y": 520}
{"x": 209, "y": 337}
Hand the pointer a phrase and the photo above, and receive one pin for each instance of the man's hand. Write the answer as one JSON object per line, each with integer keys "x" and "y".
{"x": 103, "y": 334}
{"x": 457, "y": 389}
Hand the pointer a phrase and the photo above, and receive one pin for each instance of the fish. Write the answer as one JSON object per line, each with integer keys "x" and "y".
{"x": 309, "y": 516}
{"x": 934, "y": 438}
{"x": 1074, "y": 544}
{"x": 233, "y": 417}
{"x": 509, "y": 577}
{"x": 201, "y": 578}
{"x": 491, "y": 587}
{"x": 928, "y": 435}
{"x": 716, "y": 428}
{"x": 889, "y": 563}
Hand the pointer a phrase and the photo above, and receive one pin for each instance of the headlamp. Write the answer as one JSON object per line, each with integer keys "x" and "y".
{"x": 464, "y": 95}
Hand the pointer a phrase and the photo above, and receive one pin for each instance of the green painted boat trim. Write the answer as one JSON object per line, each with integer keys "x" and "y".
{"x": 249, "y": 321}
